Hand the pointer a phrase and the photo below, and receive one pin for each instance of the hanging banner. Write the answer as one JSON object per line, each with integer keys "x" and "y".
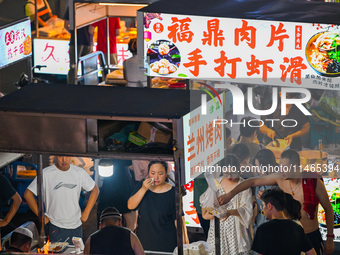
{"x": 203, "y": 137}
{"x": 15, "y": 42}
{"x": 242, "y": 50}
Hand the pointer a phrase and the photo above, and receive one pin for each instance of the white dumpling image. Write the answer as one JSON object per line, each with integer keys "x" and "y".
{"x": 155, "y": 67}
{"x": 163, "y": 49}
{"x": 163, "y": 70}
{"x": 172, "y": 68}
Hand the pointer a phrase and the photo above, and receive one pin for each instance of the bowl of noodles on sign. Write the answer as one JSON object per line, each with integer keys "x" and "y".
{"x": 323, "y": 53}
{"x": 164, "y": 57}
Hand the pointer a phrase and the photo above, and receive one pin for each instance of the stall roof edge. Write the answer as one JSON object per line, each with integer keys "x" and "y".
{"x": 279, "y": 10}
{"x": 78, "y": 100}
{"x": 117, "y": 1}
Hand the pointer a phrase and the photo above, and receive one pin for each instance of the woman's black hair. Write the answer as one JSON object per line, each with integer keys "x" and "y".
{"x": 293, "y": 208}
{"x": 132, "y": 45}
{"x": 163, "y": 163}
{"x": 231, "y": 162}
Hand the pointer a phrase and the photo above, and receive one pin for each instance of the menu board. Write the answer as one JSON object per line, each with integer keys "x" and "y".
{"x": 242, "y": 50}
{"x": 15, "y": 42}
{"x": 203, "y": 136}
{"x": 333, "y": 189}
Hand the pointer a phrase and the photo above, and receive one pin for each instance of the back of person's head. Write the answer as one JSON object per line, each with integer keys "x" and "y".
{"x": 293, "y": 208}
{"x": 227, "y": 132}
{"x": 241, "y": 151}
{"x": 231, "y": 162}
{"x": 292, "y": 155}
{"x": 20, "y": 237}
{"x": 250, "y": 126}
{"x": 228, "y": 139}
{"x": 132, "y": 45}
{"x": 110, "y": 215}
{"x": 276, "y": 197}
{"x": 265, "y": 157}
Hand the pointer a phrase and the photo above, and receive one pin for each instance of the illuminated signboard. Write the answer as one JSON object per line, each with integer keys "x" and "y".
{"x": 53, "y": 54}
{"x": 15, "y": 42}
{"x": 203, "y": 138}
{"x": 242, "y": 50}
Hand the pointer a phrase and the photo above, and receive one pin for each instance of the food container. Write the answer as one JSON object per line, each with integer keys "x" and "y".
{"x": 177, "y": 85}
{"x": 312, "y": 157}
{"x": 278, "y": 147}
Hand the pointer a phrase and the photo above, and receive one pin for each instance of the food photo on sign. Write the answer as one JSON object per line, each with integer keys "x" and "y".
{"x": 164, "y": 57}
{"x": 323, "y": 53}
{"x": 281, "y": 53}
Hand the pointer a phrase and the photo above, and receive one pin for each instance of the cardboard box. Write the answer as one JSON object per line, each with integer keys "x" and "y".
{"x": 137, "y": 139}
{"x": 153, "y": 134}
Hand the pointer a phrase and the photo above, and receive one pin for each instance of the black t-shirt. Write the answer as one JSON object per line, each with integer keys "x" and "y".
{"x": 156, "y": 222}
{"x": 280, "y": 237}
{"x": 111, "y": 240}
{"x": 6, "y": 191}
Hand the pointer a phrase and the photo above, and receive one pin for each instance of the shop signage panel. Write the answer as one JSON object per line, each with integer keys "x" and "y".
{"x": 242, "y": 50}
{"x": 52, "y": 53}
{"x": 190, "y": 213}
{"x": 203, "y": 138}
{"x": 15, "y": 43}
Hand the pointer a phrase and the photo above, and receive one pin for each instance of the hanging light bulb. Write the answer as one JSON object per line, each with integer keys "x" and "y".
{"x": 105, "y": 167}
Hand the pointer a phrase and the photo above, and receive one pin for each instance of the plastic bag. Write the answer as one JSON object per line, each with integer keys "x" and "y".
{"x": 55, "y": 22}
{"x": 208, "y": 200}
{"x": 196, "y": 248}
{"x": 212, "y": 180}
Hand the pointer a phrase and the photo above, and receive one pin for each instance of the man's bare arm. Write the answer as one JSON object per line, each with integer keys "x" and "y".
{"x": 322, "y": 195}
{"x": 12, "y": 211}
{"x": 87, "y": 246}
{"x": 136, "y": 245}
{"x": 251, "y": 182}
{"x": 310, "y": 252}
{"x": 92, "y": 200}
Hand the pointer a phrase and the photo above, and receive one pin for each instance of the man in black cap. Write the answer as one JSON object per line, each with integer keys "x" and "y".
{"x": 112, "y": 238}
{"x": 21, "y": 240}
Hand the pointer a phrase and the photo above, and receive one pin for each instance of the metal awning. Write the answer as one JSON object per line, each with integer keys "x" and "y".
{"x": 103, "y": 102}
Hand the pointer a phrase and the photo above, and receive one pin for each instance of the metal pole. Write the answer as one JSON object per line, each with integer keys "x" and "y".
{"x": 178, "y": 156}
{"x": 29, "y": 70}
{"x": 36, "y": 19}
{"x": 73, "y": 29}
{"x": 41, "y": 213}
{"x": 108, "y": 40}
{"x": 179, "y": 207}
{"x": 217, "y": 236}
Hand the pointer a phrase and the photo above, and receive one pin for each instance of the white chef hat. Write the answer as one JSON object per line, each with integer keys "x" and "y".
{"x": 24, "y": 231}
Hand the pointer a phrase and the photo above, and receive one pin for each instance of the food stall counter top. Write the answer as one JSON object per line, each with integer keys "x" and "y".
{"x": 93, "y": 101}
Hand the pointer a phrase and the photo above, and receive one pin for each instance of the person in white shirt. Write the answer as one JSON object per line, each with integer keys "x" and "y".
{"x": 133, "y": 75}
{"x": 62, "y": 184}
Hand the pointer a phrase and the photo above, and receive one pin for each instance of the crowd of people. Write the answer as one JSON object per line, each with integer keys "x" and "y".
{"x": 266, "y": 213}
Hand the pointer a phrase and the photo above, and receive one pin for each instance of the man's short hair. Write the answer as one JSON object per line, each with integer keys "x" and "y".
{"x": 276, "y": 197}
{"x": 241, "y": 151}
{"x": 227, "y": 132}
{"x": 110, "y": 214}
{"x": 292, "y": 155}
{"x": 20, "y": 236}
{"x": 247, "y": 130}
